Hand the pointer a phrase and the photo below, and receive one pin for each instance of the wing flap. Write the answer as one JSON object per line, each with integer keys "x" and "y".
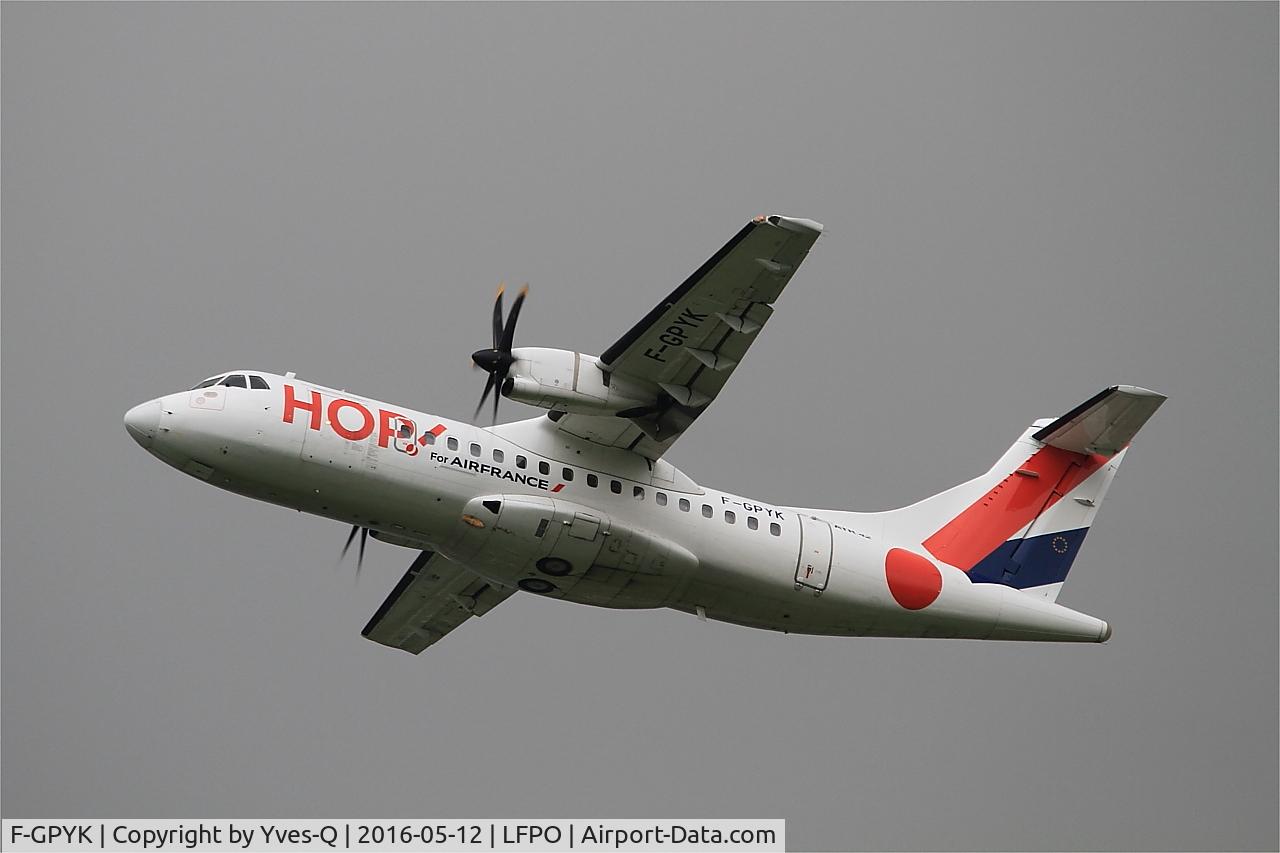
{"x": 435, "y": 596}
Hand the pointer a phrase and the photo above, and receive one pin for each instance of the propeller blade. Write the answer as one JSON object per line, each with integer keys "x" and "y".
{"x": 488, "y": 386}
{"x": 364, "y": 538}
{"x": 497, "y": 316}
{"x": 351, "y": 537}
{"x": 497, "y": 360}
{"x": 509, "y": 333}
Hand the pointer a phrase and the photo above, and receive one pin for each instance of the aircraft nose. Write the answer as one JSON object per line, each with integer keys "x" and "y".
{"x": 143, "y": 421}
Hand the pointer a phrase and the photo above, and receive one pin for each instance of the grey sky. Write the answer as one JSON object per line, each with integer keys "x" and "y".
{"x": 1023, "y": 203}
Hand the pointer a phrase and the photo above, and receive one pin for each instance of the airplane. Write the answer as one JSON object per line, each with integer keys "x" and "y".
{"x": 581, "y": 504}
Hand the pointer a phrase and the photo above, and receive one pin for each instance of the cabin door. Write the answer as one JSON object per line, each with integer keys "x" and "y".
{"x": 814, "y": 566}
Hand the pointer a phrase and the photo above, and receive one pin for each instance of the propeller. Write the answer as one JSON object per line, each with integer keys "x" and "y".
{"x": 497, "y": 360}
{"x": 351, "y": 537}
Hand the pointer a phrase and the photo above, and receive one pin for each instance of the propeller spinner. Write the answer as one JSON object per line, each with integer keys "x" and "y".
{"x": 497, "y": 360}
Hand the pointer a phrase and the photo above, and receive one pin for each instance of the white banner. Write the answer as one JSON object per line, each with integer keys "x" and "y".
{"x": 250, "y": 836}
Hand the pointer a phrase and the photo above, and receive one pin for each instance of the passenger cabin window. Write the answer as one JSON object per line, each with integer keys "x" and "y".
{"x": 452, "y": 442}
{"x": 205, "y": 384}
{"x": 729, "y": 516}
{"x": 775, "y": 528}
{"x": 235, "y": 380}
{"x": 593, "y": 480}
{"x": 521, "y": 462}
{"x": 259, "y": 383}
{"x": 660, "y": 498}
{"x": 475, "y": 450}
{"x": 684, "y": 504}
{"x": 429, "y": 436}
{"x": 544, "y": 468}
{"x": 567, "y": 475}
{"x": 638, "y": 493}
{"x": 615, "y": 487}
{"x": 753, "y": 523}
{"x": 498, "y": 455}
{"x": 706, "y": 511}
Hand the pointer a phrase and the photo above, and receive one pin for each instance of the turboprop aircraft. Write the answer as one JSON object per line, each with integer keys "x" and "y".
{"x": 581, "y": 504}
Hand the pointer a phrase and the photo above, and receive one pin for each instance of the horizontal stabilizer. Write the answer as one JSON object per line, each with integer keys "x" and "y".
{"x": 1103, "y": 424}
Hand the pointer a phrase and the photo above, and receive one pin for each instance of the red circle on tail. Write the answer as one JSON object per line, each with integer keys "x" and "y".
{"x": 914, "y": 581}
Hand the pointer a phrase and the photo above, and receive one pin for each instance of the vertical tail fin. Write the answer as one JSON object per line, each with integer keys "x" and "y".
{"x": 1022, "y": 523}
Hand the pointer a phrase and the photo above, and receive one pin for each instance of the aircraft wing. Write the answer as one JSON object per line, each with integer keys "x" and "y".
{"x": 435, "y": 596}
{"x": 688, "y": 346}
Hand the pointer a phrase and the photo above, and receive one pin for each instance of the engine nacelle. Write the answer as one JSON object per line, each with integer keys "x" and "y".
{"x": 570, "y": 382}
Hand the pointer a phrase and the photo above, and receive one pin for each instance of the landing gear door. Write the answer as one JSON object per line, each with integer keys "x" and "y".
{"x": 813, "y": 569}
{"x": 584, "y": 526}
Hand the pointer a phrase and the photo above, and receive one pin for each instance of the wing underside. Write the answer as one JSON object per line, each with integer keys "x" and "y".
{"x": 688, "y": 346}
{"x": 435, "y": 596}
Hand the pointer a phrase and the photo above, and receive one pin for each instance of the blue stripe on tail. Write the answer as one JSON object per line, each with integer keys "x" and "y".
{"x": 1034, "y": 561}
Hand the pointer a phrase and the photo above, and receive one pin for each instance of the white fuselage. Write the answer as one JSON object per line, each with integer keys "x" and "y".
{"x": 519, "y": 502}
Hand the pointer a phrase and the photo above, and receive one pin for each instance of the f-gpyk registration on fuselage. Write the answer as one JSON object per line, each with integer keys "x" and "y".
{"x": 581, "y": 505}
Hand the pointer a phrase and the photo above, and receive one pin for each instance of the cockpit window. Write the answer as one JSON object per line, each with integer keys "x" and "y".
{"x": 205, "y": 384}
{"x": 259, "y": 383}
{"x": 235, "y": 380}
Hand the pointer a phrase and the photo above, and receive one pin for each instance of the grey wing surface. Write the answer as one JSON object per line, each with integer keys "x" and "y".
{"x": 433, "y": 598}
{"x": 688, "y": 346}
